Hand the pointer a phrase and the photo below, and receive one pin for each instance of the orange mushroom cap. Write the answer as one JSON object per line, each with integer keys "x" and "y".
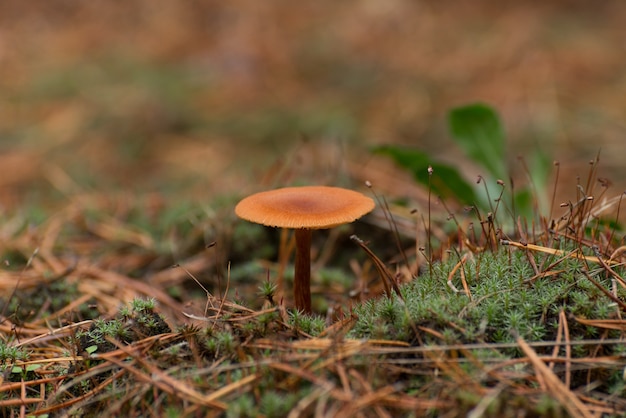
{"x": 308, "y": 207}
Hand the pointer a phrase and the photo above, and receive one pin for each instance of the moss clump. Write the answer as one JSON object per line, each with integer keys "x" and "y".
{"x": 134, "y": 322}
{"x": 503, "y": 303}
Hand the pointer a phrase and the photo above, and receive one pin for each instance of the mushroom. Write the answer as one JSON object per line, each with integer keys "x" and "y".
{"x": 304, "y": 209}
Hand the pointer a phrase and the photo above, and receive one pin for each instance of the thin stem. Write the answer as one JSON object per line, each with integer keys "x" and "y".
{"x": 302, "y": 276}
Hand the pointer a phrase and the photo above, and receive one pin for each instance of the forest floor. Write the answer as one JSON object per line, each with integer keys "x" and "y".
{"x": 129, "y": 131}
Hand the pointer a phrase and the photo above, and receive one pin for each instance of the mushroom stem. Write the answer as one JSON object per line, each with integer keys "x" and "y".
{"x": 302, "y": 274}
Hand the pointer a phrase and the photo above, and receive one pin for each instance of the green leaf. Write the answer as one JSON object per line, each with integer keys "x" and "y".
{"x": 540, "y": 171}
{"x": 446, "y": 180}
{"x": 523, "y": 202}
{"x": 32, "y": 367}
{"x": 22, "y": 369}
{"x": 477, "y": 130}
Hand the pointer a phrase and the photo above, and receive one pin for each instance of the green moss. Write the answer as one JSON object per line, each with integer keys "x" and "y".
{"x": 10, "y": 354}
{"x": 503, "y": 303}
{"x": 307, "y": 324}
{"x": 133, "y": 322}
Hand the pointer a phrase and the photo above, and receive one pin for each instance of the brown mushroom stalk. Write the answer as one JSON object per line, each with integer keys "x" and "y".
{"x": 304, "y": 209}
{"x": 302, "y": 270}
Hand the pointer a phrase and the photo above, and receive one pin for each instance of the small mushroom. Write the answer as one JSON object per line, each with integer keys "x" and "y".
{"x": 304, "y": 209}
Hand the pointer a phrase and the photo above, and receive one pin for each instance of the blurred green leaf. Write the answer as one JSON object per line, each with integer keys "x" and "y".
{"x": 540, "y": 171}
{"x": 446, "y": 181}
{"x": 523, "y": 201}
{"x": 476, "y": 128}
{"x": 28, "y": 368}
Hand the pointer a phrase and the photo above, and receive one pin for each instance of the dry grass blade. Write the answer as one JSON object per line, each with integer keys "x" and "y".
{"x": 460, "y": 267}
{"x": 606, "y": 292}
{"x": 86, "y": 396}
{"x": 301, "y": 373}
{"x": 305, "y": 403}
{"x": 388, "y": 280}
{"x": 137, "y": 287}
{"x": 607, "y": 267}
{"x": 367, "y": 400}
{"x": 563, "y": 334}
{"x": 553, "y": 385}
{"x": 616, "y": 324}
{"x": 46, "y": 335}
{"x": 571, "y": 254}
{"x": 113, "y": 230}
{"x": 617, "y": 253}
{"x": 26, "y": 387}
{"x": 165, "y": 382}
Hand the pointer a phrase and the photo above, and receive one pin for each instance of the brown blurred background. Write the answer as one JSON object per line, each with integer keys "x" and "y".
{"x": 208, "y": 97}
